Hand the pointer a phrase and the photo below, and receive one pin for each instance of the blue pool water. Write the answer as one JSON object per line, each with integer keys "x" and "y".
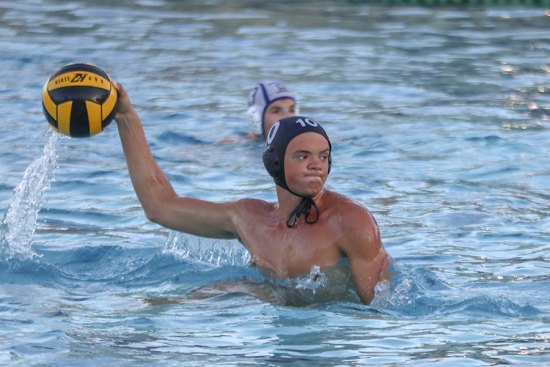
{"x": 440, "y": 121}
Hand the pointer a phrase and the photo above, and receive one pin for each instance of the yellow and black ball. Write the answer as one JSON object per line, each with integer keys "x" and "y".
{"x": 79, "y": 100}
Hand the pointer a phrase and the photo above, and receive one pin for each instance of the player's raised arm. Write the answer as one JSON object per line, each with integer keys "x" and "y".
{"x": 157, "y": 196}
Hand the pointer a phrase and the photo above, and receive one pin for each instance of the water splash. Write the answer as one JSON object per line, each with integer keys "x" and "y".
{"x": 418, "y": 291}
{"x": 313, "y": 280}
{"x": 19, "y": 221}
{"x": 400, "y": 296}
{"x": 212, "y": 252}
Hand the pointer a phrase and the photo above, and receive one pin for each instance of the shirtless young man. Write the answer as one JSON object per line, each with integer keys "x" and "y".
{"x": 308, "y": 225}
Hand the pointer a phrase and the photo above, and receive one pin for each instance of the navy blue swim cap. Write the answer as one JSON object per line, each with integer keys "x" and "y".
{"x": 277, "y": 141}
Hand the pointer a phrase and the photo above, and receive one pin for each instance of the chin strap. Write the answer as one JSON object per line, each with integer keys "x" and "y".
{"x": 303, "y": 208}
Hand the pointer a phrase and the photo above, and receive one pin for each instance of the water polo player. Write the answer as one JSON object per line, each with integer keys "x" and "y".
{"x": 269, "y": 102}
{"x": 309, "y": 226}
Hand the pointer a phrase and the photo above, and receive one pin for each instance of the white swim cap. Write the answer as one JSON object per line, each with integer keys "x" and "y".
{"x": 264, "y": 94}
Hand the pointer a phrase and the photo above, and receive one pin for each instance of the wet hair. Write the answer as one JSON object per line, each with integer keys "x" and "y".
{"x": 259, "y": 99}
{"x": 278, "y": 138}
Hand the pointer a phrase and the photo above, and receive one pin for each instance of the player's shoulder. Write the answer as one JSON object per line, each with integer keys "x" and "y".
{"x": 350, "y": 216}
{"x": 344, "y": 205}
{"x": 251, "y": 205}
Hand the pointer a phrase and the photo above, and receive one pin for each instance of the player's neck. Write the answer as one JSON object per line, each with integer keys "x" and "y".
{"x": 287, "y": 201}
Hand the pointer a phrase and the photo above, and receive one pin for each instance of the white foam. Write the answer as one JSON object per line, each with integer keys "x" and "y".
{"x": 313, "y": 280}
{"x": 205, "y": 250}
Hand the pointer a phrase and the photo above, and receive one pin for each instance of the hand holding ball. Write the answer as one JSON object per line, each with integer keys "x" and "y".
{"x": 79, "y": 100}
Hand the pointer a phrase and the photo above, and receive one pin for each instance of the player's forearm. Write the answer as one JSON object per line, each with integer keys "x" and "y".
{"x": 150, "y": 184}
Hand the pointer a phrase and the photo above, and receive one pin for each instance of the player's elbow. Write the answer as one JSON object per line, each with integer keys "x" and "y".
{"x": 152, "y": 213}
{"x": 155, "y": 210}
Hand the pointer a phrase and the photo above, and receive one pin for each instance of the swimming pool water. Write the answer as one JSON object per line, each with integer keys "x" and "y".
{"x": 439, "y": 118}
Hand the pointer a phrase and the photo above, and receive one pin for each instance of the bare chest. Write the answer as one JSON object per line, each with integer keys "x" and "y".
{"x": 290, "y": 252}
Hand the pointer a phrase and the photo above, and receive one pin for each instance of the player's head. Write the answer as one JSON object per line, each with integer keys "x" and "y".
{"x": 278, "y": 139}
{"x": 269, "y": 102}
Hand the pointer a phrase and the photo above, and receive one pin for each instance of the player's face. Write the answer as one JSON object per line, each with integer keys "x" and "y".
{"x": 278, "y": 110}
{"x": 307, "y": 163}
